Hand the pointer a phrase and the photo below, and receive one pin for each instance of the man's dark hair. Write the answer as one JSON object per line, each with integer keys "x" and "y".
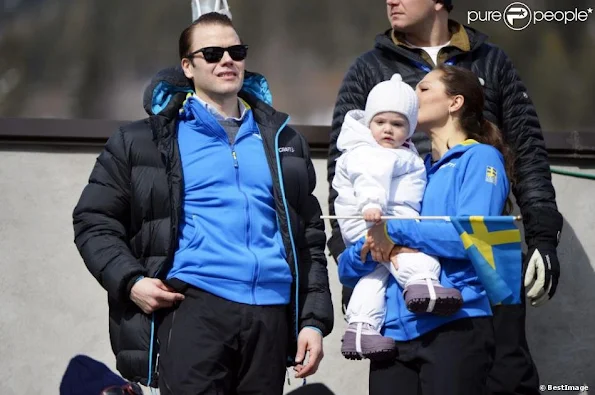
{"x": 211, "y": 18}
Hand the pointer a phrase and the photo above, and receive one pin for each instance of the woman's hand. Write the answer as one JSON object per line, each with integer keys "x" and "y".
{"x": 380, "y": 244}
{"x": 381, "y": 247}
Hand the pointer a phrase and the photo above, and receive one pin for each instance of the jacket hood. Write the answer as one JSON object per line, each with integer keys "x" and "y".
{"x": 384, "y": 41}
{"x": 354, "y": 132}
{"x": 168, "y": 89}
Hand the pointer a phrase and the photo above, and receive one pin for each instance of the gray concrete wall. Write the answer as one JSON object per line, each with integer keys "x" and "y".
{"x": 53, "y": 309}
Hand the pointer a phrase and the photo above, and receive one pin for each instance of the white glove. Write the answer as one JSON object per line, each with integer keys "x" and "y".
{"x": 541, "y": 276}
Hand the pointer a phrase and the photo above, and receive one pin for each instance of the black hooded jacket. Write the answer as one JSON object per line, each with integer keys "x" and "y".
{"x": 127, "y": 219}
{"x": 507, "y": 105}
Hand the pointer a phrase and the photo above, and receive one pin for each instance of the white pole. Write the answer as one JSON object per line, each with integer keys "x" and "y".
{"x": 384, "y": 217}
{"x": 387, "y": 217}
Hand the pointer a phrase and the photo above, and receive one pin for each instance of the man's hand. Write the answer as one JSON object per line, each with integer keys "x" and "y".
{"x": 542, "y": 274}
{"x": 151, "y": 294}
{"x": 373, "y": 215}
{"x": 310, "y": 341}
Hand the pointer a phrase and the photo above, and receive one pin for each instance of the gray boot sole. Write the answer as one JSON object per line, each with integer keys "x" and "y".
{"x": 374, "y": 347}
{"x": 448, "y": 300}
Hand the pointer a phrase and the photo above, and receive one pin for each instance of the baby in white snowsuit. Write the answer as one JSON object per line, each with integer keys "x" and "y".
{"x": 380, "y": 173}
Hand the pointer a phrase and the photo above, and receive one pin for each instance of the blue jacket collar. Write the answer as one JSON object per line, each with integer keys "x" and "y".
{"x": 457, "y": 150}
{"x": 168, "y": 89}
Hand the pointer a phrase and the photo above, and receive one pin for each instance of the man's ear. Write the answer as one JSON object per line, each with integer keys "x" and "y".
{"x": 187, "y": 65}
{"x": 439, "y": 5}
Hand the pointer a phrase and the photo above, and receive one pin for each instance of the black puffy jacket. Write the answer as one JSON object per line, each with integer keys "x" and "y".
{"x": 127, "y": 219}
{"x": 507, "y": 105}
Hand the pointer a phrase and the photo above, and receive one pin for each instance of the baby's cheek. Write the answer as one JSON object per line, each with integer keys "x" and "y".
{"x": 403, "y": 132}
{"x": 376, "y": 131}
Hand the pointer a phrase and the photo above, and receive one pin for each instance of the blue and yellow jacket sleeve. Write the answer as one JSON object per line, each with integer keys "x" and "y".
{"x": 483, "y": 188}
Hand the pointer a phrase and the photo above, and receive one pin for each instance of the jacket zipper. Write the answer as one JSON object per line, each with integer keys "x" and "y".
{"x": 293, "y": 249}
{"x": 427, "y": 68}
{"x": 174, "y": 213}
{"x": 173, "y": 319}
{"x": 255, "y": 272}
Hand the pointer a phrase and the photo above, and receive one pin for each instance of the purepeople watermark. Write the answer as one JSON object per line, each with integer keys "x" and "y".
{"x": 518, "y": 16}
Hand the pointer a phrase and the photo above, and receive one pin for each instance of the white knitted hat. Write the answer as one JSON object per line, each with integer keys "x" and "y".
{"x": 394, "y": 96}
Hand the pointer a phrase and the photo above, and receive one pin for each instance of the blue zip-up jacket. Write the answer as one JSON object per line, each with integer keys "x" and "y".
{"x": 230, "y": 244}
{"x": 470, "y": 179}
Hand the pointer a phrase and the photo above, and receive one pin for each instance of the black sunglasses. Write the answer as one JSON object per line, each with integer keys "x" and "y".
{"x": 215, "y": 54}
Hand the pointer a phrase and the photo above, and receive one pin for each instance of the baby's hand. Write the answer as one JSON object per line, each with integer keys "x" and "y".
{"x": 373, "y": 215}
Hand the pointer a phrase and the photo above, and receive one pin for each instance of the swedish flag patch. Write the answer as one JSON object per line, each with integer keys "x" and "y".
{"x": 491, "y": 175}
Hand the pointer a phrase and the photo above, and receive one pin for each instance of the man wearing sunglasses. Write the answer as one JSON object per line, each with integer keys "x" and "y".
{"x": 422, "y": 36}
{"x": 201, "y": 224}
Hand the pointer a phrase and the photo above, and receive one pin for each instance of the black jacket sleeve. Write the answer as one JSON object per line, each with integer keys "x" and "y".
{"x": 100, "y": 221}
{"x": 352, "y": 96}
{"x": 316, "y": 307}
{"x": 533, "y": 189}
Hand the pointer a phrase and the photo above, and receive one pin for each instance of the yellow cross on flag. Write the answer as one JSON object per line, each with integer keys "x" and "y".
{"x": 493, "y": 245}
